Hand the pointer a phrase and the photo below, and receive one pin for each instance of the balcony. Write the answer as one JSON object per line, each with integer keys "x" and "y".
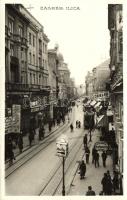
{"x": 40, "y": 51}
{"x": 16, "y": 38}
{"x": 19, "y": 87}
{"x": 45, "y": 71}
{"x": 12, "y": 87}
{"x": 24, "y": 41}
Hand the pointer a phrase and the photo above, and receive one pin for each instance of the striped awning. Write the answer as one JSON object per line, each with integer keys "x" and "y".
{"x": 93, "y": 103}
{"x": 97, "y": 105}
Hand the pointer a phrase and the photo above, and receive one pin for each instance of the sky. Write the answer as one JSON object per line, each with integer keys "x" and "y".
{"x": 82, "y": 35}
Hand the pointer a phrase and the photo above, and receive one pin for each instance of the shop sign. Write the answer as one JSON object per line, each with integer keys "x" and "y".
{"x": 8, "y": 125}
{"x": 62, "y": 146}
{"x": 16, "y": 114}
{"x": 101, "y": 146}
{"x": 35, "y": 109}
{"x": 33, "y": 104}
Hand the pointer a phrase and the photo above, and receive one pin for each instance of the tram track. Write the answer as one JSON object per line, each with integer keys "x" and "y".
{"x": 37, "y": 149}
{"x": 55, "y": 179}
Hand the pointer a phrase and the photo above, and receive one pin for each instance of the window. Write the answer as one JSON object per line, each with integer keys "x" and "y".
{"x": 34, "y": 78}
{"x": 33, "y": 59}
{"x": 11, "y": 26}
{"x": 43, "y": 63}
{"x": 39, "y": 79}
{"x": 29, "y": 38}
{"x": 43, "y": 48}
{"x": 40, "y": 62}
{"x": 20, "y": 31}
{"x": 11, "y": 49}
{"x": 30, "y": 58}
{"x": 33, "y": 41}
{"x": 30, "y": 78}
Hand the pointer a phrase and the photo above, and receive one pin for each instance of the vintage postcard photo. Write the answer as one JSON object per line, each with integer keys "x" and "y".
{"x": 63, "y": 132}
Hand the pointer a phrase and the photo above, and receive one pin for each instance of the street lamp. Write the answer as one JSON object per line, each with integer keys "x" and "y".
{"x": 62, "y": 151}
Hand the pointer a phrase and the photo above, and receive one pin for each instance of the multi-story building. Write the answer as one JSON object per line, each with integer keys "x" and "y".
{"x": 27, "y": 78}
{"x": 97, "y": 79}
{"x": 53, "y": 81}
{"x": 89, "y": 84}
{"x": 115, "y": 26}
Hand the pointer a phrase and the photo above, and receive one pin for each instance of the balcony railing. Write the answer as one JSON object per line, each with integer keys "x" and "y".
{"x": 25, "y": 87}
{"x": 16, "y": 38}
{"x": 23, "y": 41}
{"x": 40, "y": 51}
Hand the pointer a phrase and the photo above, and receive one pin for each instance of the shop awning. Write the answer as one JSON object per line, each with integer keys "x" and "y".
{"x": 100, "y": 120}
{"x": 109, "y": 112}
{"x": 93, "y": 103}
{"x": 97, "y": 105}
{"x": 88, "y": 101}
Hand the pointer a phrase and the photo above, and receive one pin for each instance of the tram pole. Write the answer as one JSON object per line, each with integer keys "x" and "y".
{"x": 63, "y": 188}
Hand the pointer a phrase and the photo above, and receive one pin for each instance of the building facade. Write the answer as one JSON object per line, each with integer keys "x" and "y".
{"x": 115, "y": 26}
{"x": 26, "y": 60}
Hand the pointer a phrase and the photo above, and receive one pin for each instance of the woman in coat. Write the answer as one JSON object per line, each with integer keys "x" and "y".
{"x": 82, "y": 169}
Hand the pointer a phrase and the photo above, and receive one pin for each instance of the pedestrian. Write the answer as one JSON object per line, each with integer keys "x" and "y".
{"x": 96, "y": 159}
{"x": 82, "y": 169}
{"x": 104, "y": 184}
{"x": 20, "y": 142}
{"x": 109, "y": 183}
{"x": 87, "y": 152}
{"x": 115, "y": 181}
{"x": 85, "y": 141}
{"x": 104, "y": 157}
{"x": 93, "y": 154}
{"x": 79, "y": 124}
{"x": 10, "y": 151}
{"x": 71, "y": 127}
{"x": 31, "y": 136}
{"x": 76, "y": 123}
{"x": 41, "y": 131}
{"x": 90, "y": 192}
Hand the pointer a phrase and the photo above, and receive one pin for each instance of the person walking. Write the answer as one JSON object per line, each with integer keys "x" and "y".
{"x": 41, "y": 131}
{"x": 71, "y": 127}
{"x": 90, "y": 192}
{"x": 109, "y": 183}
{"x": 82, "y": 169}
{"x": 85, "y": 141}
{"x": 93, "y": 154}
{"x": 104, "y": 184}
{"x": 76, "y": 123}
{"x": 87, "y": 152}
{"x": 115, "y": 181}
{"x": 20, "y": 142}
{"x": 96, "y": 159}
{"x": 79, "y": 124}
{"x": 104, "y": 157}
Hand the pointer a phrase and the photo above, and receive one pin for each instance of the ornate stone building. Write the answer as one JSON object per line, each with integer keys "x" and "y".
{"x": 115, "y": 26}
{"x": 26, "y": 65}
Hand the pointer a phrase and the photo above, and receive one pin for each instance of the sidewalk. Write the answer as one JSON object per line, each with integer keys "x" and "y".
{"x": 93, "y": 175}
